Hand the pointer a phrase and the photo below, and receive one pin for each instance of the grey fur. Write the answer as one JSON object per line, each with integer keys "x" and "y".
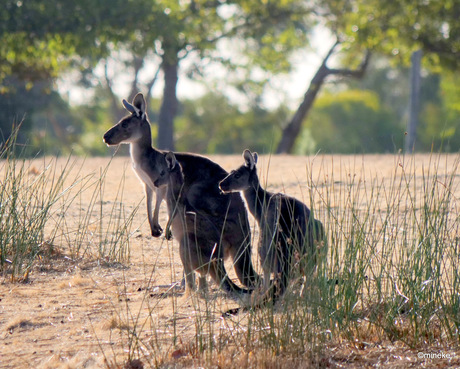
{"x": 200, "y": 241}
{"x": 201, "y": 178}
{"x": 286, "y": 229}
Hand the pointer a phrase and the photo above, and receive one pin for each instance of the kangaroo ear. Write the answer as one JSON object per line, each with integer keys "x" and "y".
{"x": 139, "y": 105}
{"x": 170, "y": 160}
{"x": 255, "y": 156}
{"x": 132, "y": 109}
{"x": 249, "y": 159}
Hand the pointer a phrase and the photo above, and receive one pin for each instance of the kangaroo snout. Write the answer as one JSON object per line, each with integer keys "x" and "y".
{"x": 114, "y": 136}
{"x": 107, "y": 138}
{"x": 223, "y": 188}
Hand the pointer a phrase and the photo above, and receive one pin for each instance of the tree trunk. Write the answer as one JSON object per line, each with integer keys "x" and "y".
{"x": 292, "y": 130}
{"x": 115, "y": 107}
{"x": 415, "y": 80}
{"x": 137, "y": 63}
{"x": 169, "y": 106}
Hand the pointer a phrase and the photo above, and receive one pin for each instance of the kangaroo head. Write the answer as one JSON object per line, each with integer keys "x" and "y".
{"x": 132, "y": 127}
{"x": 169, "y": 171}
{"x": 240, "y": 179}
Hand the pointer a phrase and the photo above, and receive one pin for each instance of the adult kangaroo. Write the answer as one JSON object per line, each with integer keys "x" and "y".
{"x": 201, "y": 190}
{"x": 287, "y": 231}
{"x": 199, "y": 238}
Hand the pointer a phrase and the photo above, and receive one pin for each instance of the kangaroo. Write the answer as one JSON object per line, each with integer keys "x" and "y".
{"x": 198, "y": 236}
{"x": 286, "y": 228}
{"x": 201, "y": 178}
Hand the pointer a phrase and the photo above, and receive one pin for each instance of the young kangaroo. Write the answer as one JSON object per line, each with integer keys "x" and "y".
{"x": 198, "y": 236}
{"x": 286, "y": 229}
{"x": 201, "y": 178}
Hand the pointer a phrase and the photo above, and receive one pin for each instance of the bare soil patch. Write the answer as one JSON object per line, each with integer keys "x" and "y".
{"x": 75, "y": 312}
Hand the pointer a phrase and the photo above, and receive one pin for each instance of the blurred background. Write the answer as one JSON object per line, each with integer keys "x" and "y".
{"x": 219, "y": 76}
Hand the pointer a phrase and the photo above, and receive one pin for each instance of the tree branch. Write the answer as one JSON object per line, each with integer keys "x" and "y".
{"x": 356, "y": 73}
{"x": 138, "y": 62}
{"x": 152, "y": 83}
{"x": 116, "y": 110}
{"x": 292, "y": 130}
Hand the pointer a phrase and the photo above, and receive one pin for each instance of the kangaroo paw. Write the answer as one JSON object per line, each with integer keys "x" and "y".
{"x": 156, "y": 230}
{"x": 168, "y": 233}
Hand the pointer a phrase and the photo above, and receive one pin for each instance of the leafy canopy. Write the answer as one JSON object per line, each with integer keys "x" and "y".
{"x": 37, "y": 38}
{"x": 399, "y": 27}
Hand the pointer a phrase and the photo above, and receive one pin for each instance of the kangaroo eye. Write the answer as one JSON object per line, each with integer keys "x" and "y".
{"x": 124, "y": 125}
{"x": 162, "y": 173}
{"x": 237, "y": 175}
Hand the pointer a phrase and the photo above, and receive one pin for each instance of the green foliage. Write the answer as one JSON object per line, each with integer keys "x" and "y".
{"x": 397, "y": 28}
{"x": 39, "y": 42}
{"x": 27, "y": 203}
{"x": 49, "y": 125}
{"x": 93, "y": 120}
{"x": 19, "y": 101}
{"x": 38, "y": 39}
{"x": 395, "y": 257}
{"x": 212, "y": 124}
{"x": 440, "y": 122}
{"x": 390, "y": 83}
{"x": 351, "y": 121}
{"x": 273, "y": 30}
{"x": 439, "y": 94}
{"x": 391, "y": 279}
{"x": 33, "y": 207}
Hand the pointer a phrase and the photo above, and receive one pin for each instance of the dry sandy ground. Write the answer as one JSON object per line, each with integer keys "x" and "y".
{"x": 74, "y": 312}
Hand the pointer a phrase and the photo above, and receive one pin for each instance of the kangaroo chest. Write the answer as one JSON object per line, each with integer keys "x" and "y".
{"x": 143, "y": 176}
{"x": 142, "y": 160}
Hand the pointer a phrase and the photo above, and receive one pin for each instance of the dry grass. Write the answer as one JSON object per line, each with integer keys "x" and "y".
{"x": 80, "y": 310}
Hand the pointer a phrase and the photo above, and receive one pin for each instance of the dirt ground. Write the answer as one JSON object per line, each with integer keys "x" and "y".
{"x": 70, "y": 312}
